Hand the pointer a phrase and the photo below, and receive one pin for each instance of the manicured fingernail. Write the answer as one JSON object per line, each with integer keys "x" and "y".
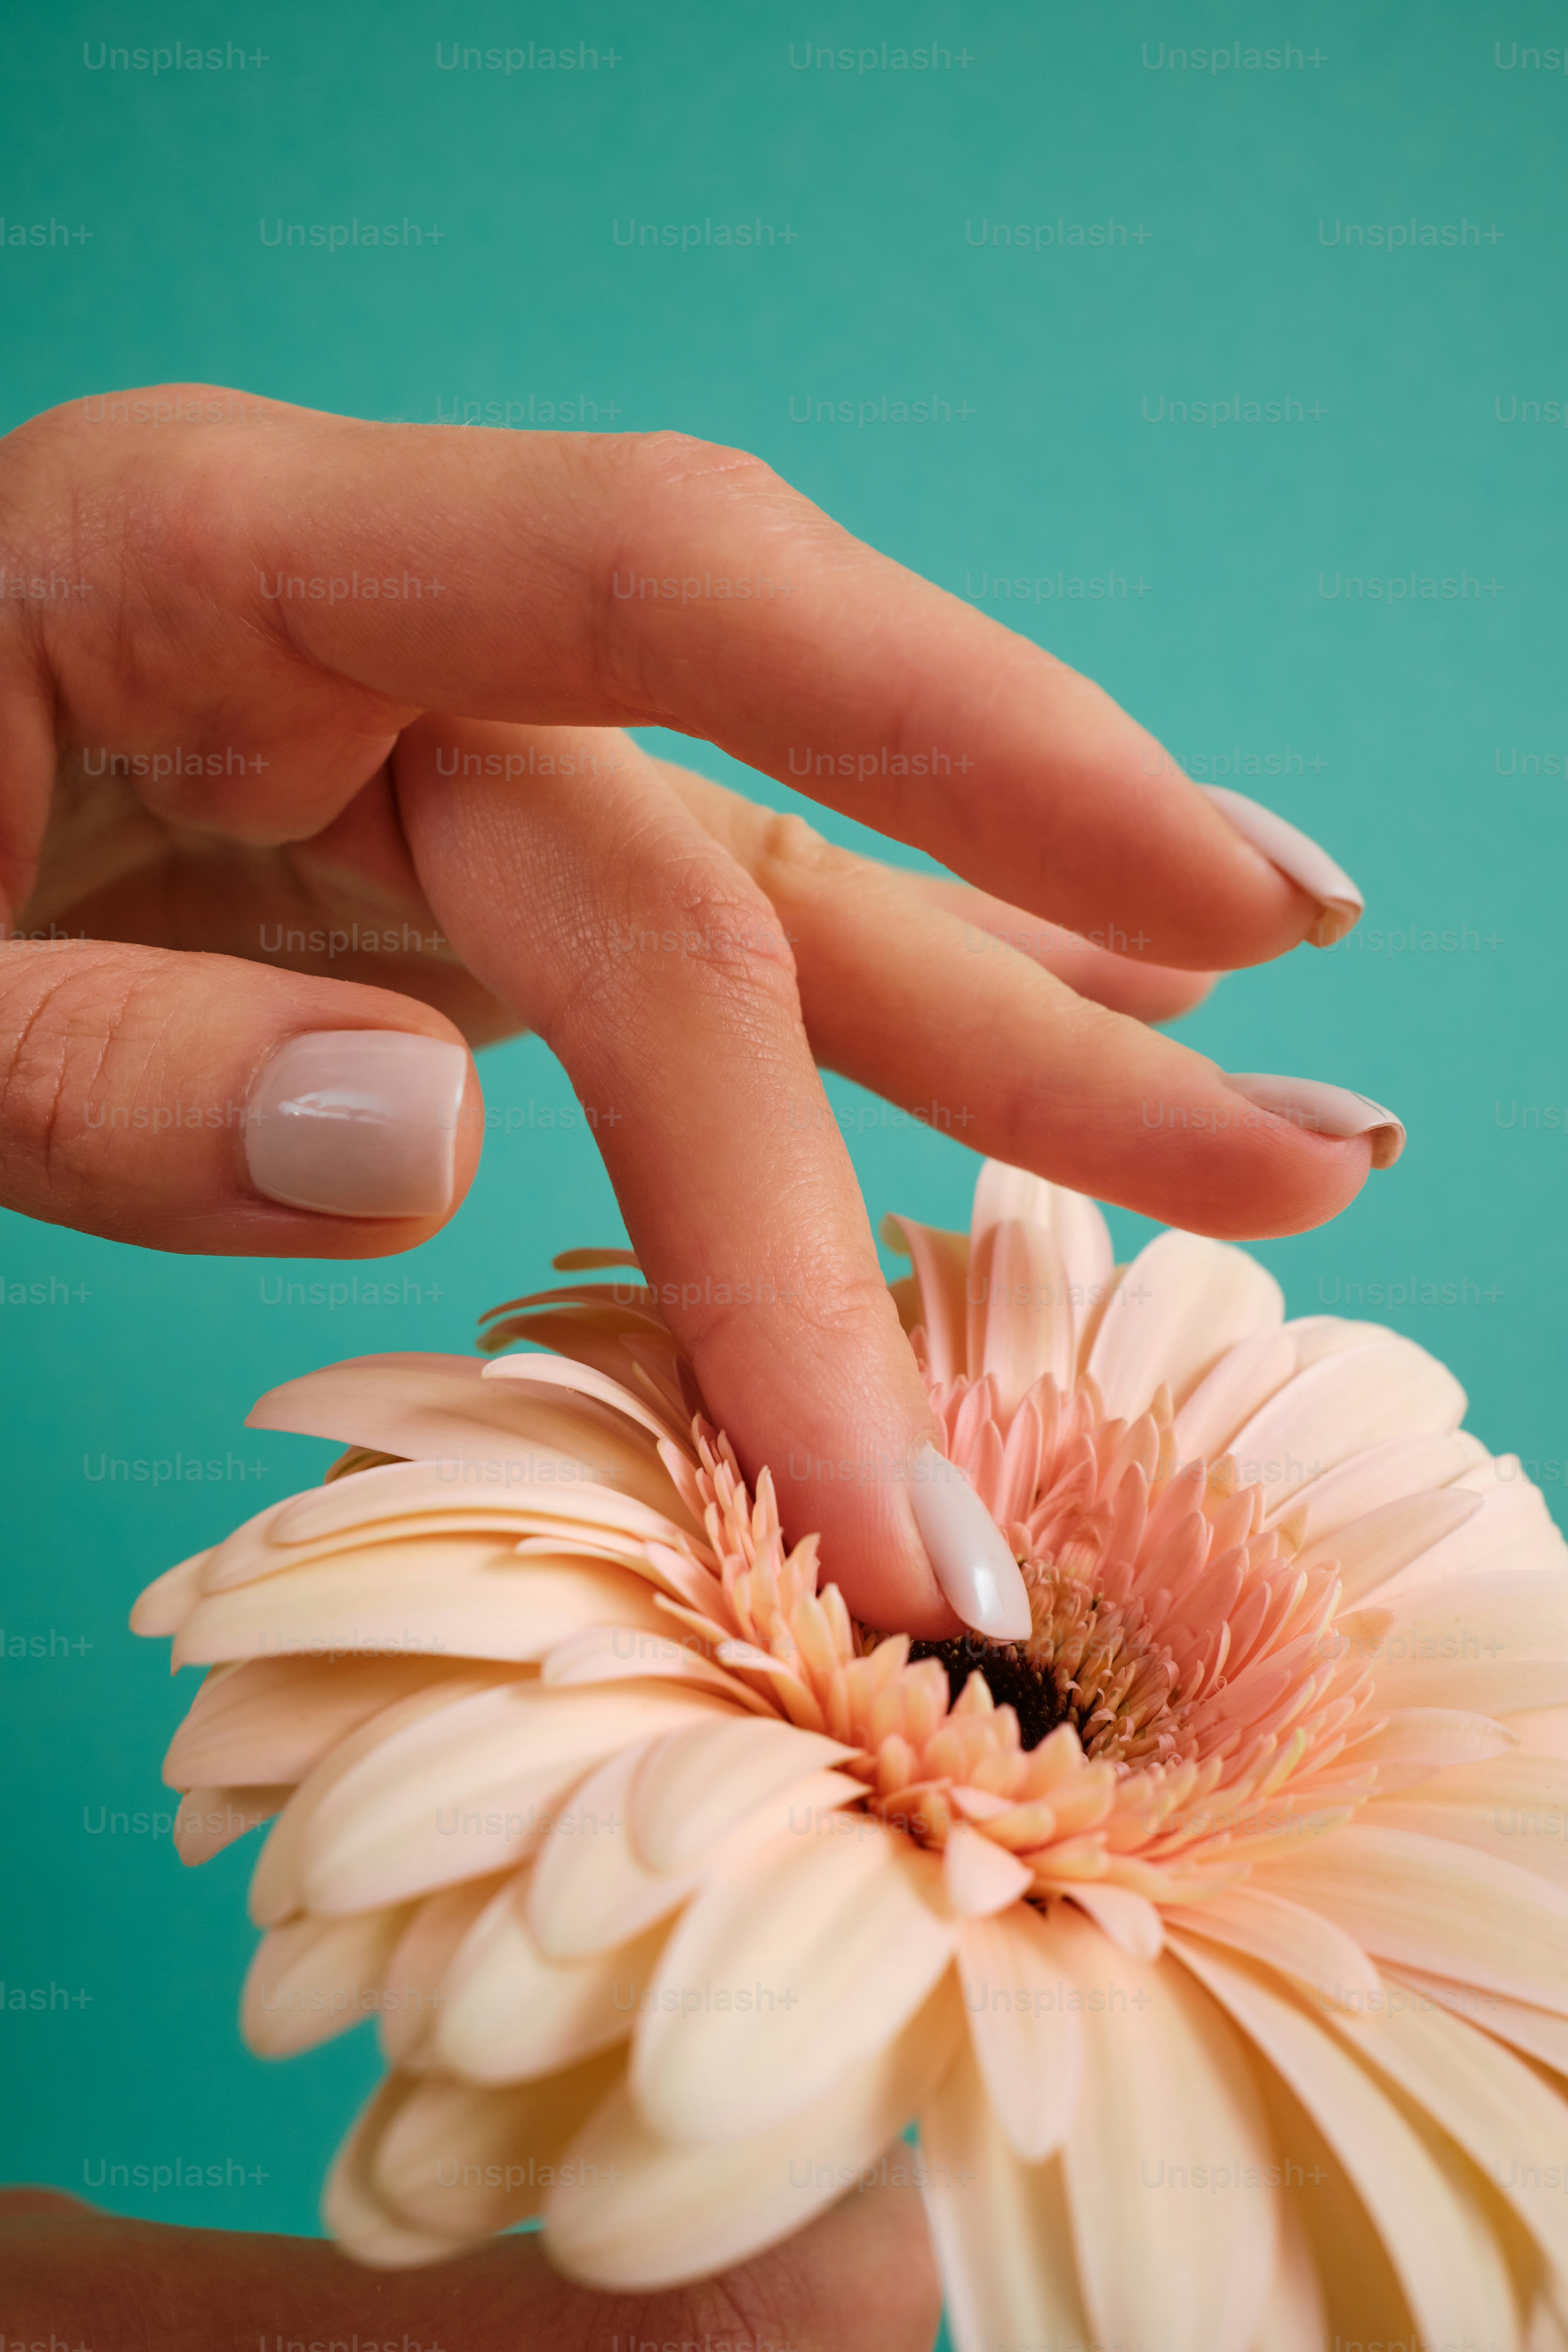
{"x": 980, "y": 1579}
{"x": 358, "y": 1123}
{"x": 1299, "y": 858}
{"x": 1333, "y": 1111}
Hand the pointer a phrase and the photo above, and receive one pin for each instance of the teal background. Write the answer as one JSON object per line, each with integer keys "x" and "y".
{"x": 1402, "y": 723}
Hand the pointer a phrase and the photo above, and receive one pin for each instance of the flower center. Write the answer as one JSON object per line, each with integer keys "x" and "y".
{"x": 1089, "y": 1662}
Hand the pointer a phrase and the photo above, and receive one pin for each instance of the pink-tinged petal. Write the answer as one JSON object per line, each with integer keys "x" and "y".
{"x": 1027, "y": 2043}
{"x": 1495, "y": 1644}
{"x": 591, "y": 1887}
{"x": 1020, "y": 1314}
{"x": 633, "y": 2211}
{"x": 1131, "y": 1921}
{"x": 276, "y": 1889}
{"x": 1340, "y": 1406}
{"x": 1242, "y": 1382}
{"x": 206, "y": 1820}
{"x": 274, "y": 1718}
{"x": 1183, "y": 1302}
{"x": 1285, "y": 1936}
{"x": 472, "y": 1788}
{"x": 618, "y": 1654}
{"x": 979, "y": 1877}
{"x": 1509, "y": 1529}
{"x": 1370, "y": 1552}
{"x": 464, "y": 2158}
{"x": 1448, "y": 2261}
{"x": 1425, "y": 1903}
{"x": 831, "y": 1939}
{"x": 1537, "y": 2032}
{"x": 546, "y": 1373}
{"x": 169, "y": 1599}
{"x": 1001, "y": 2228}
{"x": 442, "y": 1409}
{"x": 357, "y": 2216}
{"x": 941, "y": 1262}
{"x": 316, "y": 1977}
{"x": 1077, "y": 1231}
{"x": 1167, "y": 2089}
{"x": 1508, "y": 2121}
{"x": 1314, "y": 1337}
{"x": 437, "y": 1597}
{"x": 1377, "y": 1474}
{"x": 1514, "y": 1806}
{"x": 693, "y": 1788}
{"x": 1414, "y": 1742}
{"x": 509, "y": 2014}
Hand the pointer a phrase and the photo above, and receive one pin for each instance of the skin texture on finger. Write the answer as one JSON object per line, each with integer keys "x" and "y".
{"x": 132, "y": 1086}
{"x": 656, "y": 970}
{"x": 596, "y": 579}
{"x": 1017, "y": 1065}
{"x": 1115, "y": 975}
{"x": 861, "y": 2278}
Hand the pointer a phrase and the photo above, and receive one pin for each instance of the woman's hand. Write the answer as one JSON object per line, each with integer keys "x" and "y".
{"x": 308, "y": 773}
{"x": 859, "y": 2279}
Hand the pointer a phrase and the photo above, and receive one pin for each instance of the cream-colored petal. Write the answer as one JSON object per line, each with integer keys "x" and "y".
{"x": 592, "y": 1889}
{"x": 274, "y": 1718}
{"x": 1129, "y": 1920}
{"x": 1242, "y": 1382}
{"x": 441, "y": 1408}
{"x": 1508, "y": 2122}
{"x": 316, "y": 1977}
{"x": 551, "y": 1373}
{"x": 1370, "y": 1552}
{"x": 1294, "y": 2318}
{"x": 207, "y": 1820}
{"x": 1167, "y": 2090}
{"x": 1541, "y": 1731}
{"x": 1027, "y": 2043}
{"x": 169, "y": 1599}
{"x": 437, "y": 1597}
{"x": 509, "y": 2014}
{"x": 1425, "y": 1903}
{"x": 1182, "y": 1304}
{"x": 633, "y": 2210}
{"x": 1492, "y": 1644}
{"x": 821, "y": 1945}
{"x": 692, "y": 1789}
{"x": 1448, "y": 2261}
{"x": 1514, "y": 1806}
{"x": 357, "y": 2215}
{"x": 979, "y": 1877}
{"x": 464, "y": 2159}
{"x": 619, "y": 1653}
{"x": 1342, "y": 1405}
{"x": 1300, "y": 1943}
{"x": 1413, "y": 1742}
{"x": 472, "y": 1788}
{"x": 414, "y": 1994}
{"x": 1536, "y": 2031}
{"x": 275, "y": 1888}
{"x": 1379, "y": 1474}
{"x": 1001, "y": 2227}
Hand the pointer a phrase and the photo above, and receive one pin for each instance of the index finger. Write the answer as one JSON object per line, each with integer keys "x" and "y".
{"x": 655, "y": 580}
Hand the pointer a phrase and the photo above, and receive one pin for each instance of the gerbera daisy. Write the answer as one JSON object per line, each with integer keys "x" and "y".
{"x": 1212, "y": 1932}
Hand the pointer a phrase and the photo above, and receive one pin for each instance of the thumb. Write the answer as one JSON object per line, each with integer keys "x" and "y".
{"x": 204, "y": 1104}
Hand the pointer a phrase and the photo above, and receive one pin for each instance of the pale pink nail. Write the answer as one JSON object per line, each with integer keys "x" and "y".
{"x": 1299, "y": 858}
{"x": 1323, "y": 1109}
{"x": 358, "y": 1123}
